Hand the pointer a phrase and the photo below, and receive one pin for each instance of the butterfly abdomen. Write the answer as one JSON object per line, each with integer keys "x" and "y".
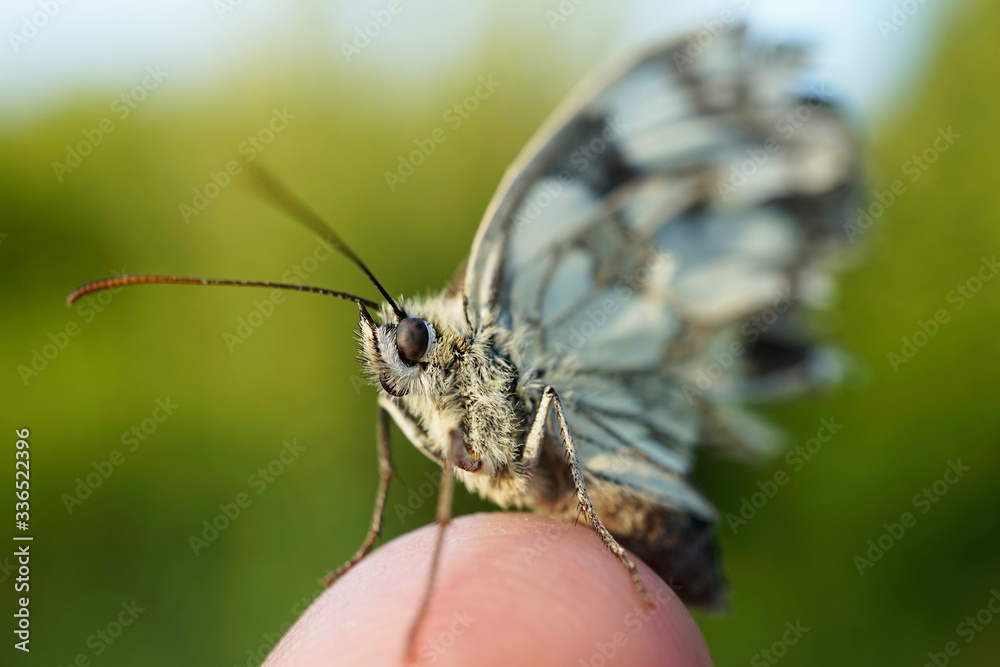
{"x": 676, "y": 544}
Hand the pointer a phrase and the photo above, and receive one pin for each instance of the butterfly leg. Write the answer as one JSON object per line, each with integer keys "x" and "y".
{"x": 446, "y": 494}
{"x": 536, "y": 436}
{"x": 386, "y": 473}
{"x": 551, "y": 398}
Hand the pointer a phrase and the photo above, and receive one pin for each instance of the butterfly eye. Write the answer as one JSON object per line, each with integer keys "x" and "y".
{"x": 412, "y": 339}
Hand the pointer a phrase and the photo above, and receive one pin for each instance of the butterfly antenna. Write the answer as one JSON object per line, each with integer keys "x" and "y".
{"x": 284, "y": 199}
{"x": 121, "y": 281}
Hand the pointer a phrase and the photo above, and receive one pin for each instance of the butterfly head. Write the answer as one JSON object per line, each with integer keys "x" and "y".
{"x": 398, "y": 353}
{"x": 449, "y": 380}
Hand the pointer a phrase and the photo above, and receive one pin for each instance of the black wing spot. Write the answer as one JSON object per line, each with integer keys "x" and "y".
{"x": 593, "y": 155}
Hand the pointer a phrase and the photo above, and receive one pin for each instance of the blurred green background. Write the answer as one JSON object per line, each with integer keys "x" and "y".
{"x": 296, "y": 378}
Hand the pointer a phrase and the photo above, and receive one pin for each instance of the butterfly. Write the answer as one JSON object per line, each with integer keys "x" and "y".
{"x": 642, "y": 273}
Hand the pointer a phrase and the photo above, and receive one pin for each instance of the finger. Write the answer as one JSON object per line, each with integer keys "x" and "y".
{"x": 513, "y": 589}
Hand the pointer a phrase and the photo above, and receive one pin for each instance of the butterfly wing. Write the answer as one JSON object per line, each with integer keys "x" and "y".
{"x": 676, "y": 205}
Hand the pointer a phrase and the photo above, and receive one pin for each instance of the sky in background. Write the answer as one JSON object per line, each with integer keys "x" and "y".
{"x": 87, "y": 44}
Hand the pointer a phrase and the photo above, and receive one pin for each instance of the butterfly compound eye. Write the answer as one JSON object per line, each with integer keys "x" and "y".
{"x": 412, "y": 338}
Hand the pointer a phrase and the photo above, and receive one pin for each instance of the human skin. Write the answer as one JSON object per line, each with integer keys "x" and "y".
{"x": 513, "y": 589}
